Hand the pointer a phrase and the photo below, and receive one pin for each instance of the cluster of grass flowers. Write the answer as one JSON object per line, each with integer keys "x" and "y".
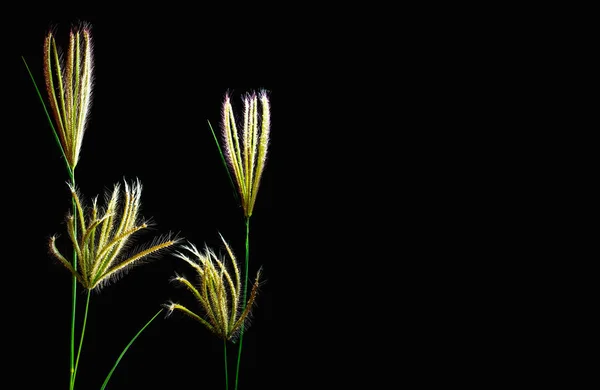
{"x": 104, "y": 235}
{"x": 101, "y": 234}
{"x": 244, "y": 154}
{"x": 246, "y": 150}
{"x": 69, "y": 87}
{"x": 99, "y": 239}
{"x": 218, "y": 293}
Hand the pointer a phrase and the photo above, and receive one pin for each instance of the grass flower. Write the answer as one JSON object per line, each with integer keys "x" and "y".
{"x": 69, "y": 88}
{"x": 101, "y": 239}
{"x": 244, "y": 155}
{"x": 104, "y": 237}
{"x": 218, "y": 292}
{"x": 246, "y": 150}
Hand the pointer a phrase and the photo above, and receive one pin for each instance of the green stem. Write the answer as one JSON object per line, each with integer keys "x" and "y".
{"x": 56, "y": 137}
{"x": 87, "y": 305}
{"x": 125, "y": 350}
{"x": 225, "y": 356}
{"x": 71, "y": 172}
{"x": 235, "y": 195}
{"x": 74, "y": 294}
{"x": 237, "y": 370}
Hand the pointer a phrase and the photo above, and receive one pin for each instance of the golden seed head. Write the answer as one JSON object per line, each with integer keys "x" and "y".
{"x": 69, "y": 83}
{"x": 102, "y": 237}
{"x": 219, "y": 291}
{"x": 245, "y": 148}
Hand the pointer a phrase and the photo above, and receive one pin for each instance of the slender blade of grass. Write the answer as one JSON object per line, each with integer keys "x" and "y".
{"x": 71, "y": 173}
{"x": 126, "y": 348}
{"x": 235, "y": 193}
{"x": 87, "y": 305}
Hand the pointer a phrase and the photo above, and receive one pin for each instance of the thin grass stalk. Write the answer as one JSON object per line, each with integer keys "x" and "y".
{"x": 74, "y": 296}
{"x": 125, "y": 350}
{"x": 56, "y": 137}
{"x": 235, "y": 194}
{"x": 239, "y": 358}
{"x": 87, "y": 305}
{"x": 71, "y": 173}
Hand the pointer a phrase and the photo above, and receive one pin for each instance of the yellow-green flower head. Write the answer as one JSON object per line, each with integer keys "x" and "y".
{"x": 218, "y": 292}
{"x": 246, "y": 150}
{"x": 103, "y": 238}
{"x": 69, "y": 86}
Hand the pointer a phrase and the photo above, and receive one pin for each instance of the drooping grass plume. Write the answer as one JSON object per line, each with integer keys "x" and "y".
{"x": 218, "y": 292}
{"x": 104, "y": 236}
{"x": 246, "y": 150}
{"x": 69, "y": 86}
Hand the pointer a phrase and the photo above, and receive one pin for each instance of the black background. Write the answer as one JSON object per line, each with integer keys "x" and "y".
{"x": 158, "y": 80}
{"x": 369, "y": 183}
{"x": 402, "y": 81}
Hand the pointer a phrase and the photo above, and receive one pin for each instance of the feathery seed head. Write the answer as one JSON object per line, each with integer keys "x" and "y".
{"x": 245, "y": 149}
{"x": 104, "y": 236}
{"x": 69, "y": 86}
{"x": 218, "y": 292}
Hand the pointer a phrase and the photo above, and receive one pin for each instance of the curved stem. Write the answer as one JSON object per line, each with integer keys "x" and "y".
{"x": 237, "y": 370}
{"x": 125, "y": 350}
{"x": 87, "y": 305}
